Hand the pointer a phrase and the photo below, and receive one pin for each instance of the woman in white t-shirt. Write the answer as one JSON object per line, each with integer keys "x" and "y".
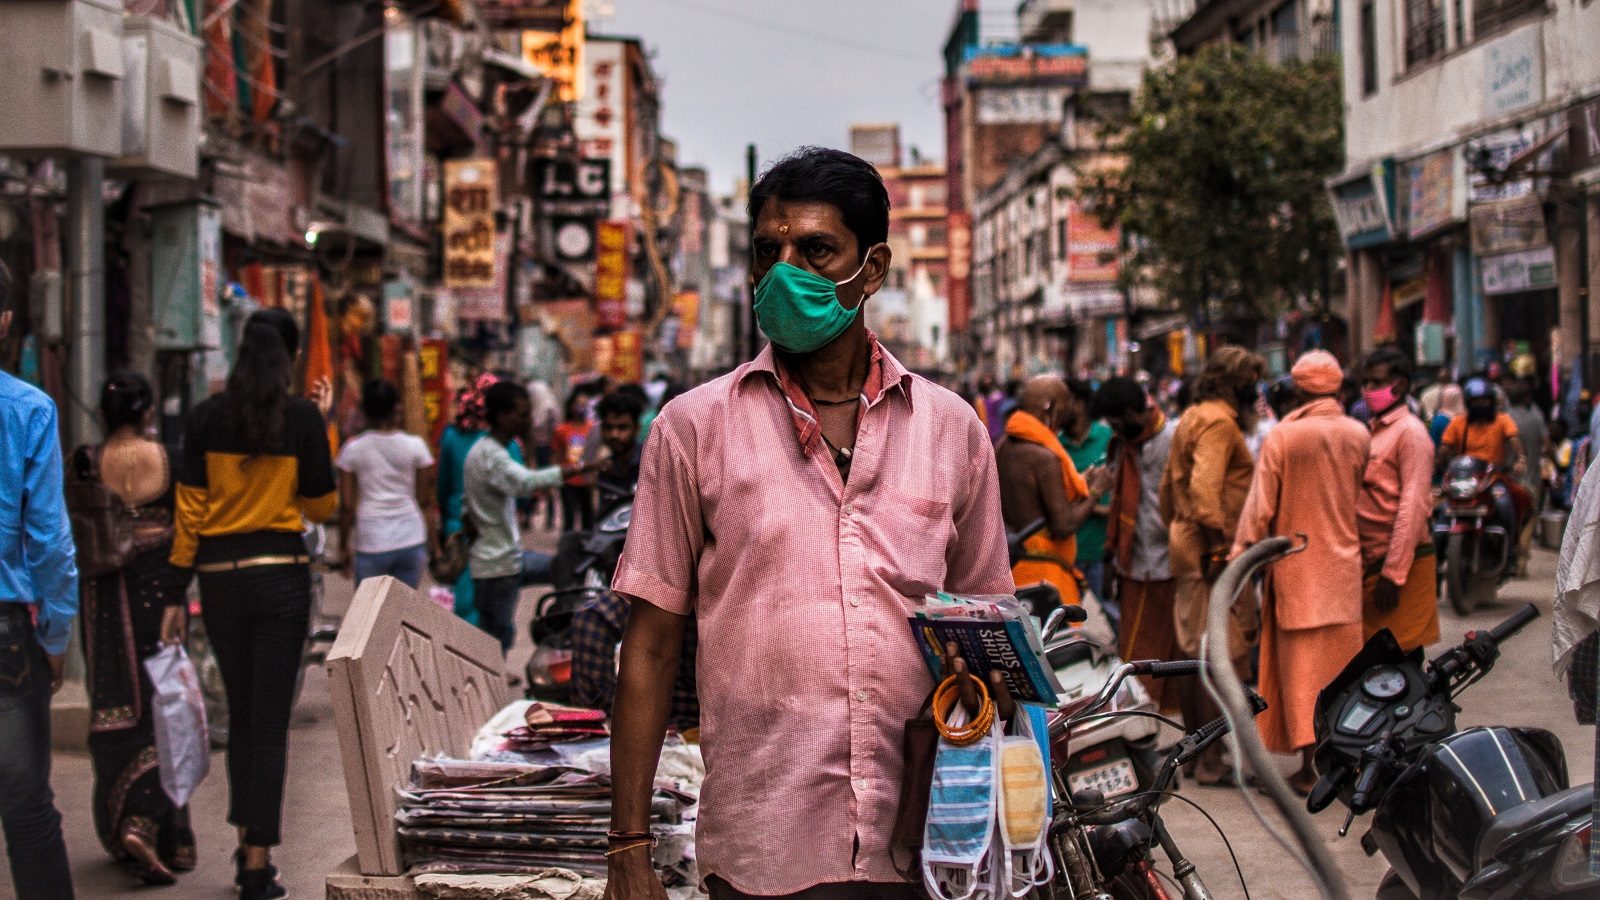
{"x": 386, "y": 482}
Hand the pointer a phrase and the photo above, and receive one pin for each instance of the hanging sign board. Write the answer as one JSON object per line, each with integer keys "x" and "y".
{"x": 470, "y": 198}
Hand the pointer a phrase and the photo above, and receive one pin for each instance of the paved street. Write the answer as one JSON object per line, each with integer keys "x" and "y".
{"x": 317, "y": 822}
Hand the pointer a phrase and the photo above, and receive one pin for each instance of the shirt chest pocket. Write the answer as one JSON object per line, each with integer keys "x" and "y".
{"x": 905, "y": 538}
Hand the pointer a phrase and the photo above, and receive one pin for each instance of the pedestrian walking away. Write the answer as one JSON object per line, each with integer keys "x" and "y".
{"x": 1401, "y": 588}
{"x": 38, "y": 600}
{"x": 132, "y": 605}
{"x": 1202, "y": 492}
{"x": 255, "y": 467}
{"x": 1307, "y": 482}
{"x": 454, "y": 445}
{"x": 1135, "y": 535}
{"x": 388, "y": 521}
{"x": 798, "y": 506}
{"x": 1088, "y": 441}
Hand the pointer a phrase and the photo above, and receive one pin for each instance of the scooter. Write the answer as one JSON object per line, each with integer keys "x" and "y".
{"x": 584, "y": 564}
{"x": 1479, "y": 814}
{"x": 1115, "y": 754}
{"x": 1469, "y": 536}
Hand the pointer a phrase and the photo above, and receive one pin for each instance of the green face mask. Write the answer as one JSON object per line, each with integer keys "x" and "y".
{"x": 800, "y": 310}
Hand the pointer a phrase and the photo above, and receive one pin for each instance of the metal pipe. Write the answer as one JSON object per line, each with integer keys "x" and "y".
{"x": 86, "y": 252}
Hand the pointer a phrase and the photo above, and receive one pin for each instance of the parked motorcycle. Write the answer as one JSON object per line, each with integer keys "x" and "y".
{"x": 1479, "y": 814}
{"x": 1470, "y": 536}
{"x": 584, "y": 564}
{"x": 1114, "y": 754}
{"x": 1103, "y": 844}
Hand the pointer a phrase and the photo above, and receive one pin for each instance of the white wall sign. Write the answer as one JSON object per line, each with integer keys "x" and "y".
{"x": 1513, "y": 71}
{"x": 1527, "y": 270}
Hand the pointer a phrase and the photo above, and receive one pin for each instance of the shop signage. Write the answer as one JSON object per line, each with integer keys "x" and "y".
{"x": 1431, "y": 184}
{"x": 611, "y": 274}
{"x": 1525, "y": 270}
{"x": 600, "y": 115}
{"x": 687, "y": 305}
{"x": 1095, "y": 299}
{"x": 470, "y": 199}
{"x": 567, "y": 187}
{"x": 1583, "y": 141}
{"x": 542, "y": 15}
{"x": 627, "y": 356}
{"x": 1507, "y": 225}
{"x": 1513, "y": 72}
{"x": 1020, "y": 105}
{"x": 1495, "y": 152}
{"x": 1030, "y": 64}
{"x": 1362, "y": 207}
{"x": 433, "y": 356}
{"x": 1091, "y": 248}
{"x": 958, "y": 286}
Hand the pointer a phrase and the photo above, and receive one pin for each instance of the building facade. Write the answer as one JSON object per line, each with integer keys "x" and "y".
{"x": 1467, "y": 204}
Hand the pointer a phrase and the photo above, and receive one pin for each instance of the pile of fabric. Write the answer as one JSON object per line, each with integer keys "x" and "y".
{"x": 545, "y": 725}
{"x": 458, "y": 816}
{"x": 536, "y": 794}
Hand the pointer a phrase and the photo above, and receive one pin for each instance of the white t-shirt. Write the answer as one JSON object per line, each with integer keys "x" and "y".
{"x": 385, "y": 465}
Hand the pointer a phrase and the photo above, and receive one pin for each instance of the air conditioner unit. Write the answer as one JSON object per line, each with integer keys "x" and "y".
{"x": 161, "y": 100}
{"x": 61, "y": 74}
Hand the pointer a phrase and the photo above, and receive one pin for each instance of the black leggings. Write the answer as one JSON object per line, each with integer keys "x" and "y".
{"x": 577, "y": 508}
{"x": 257, "y": 620}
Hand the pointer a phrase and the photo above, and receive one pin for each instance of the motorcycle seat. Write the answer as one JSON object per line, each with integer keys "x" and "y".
{"x": 1533, "y": 815}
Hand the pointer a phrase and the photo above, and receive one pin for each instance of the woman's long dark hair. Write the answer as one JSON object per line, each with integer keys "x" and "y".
{"x": 263, "y": 375}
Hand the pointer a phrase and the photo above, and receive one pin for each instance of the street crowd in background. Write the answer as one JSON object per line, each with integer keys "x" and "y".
{"x": 1145, "y": 489}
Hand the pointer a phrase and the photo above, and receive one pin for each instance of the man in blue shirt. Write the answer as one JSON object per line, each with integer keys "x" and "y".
{"x": 38, "y": 600}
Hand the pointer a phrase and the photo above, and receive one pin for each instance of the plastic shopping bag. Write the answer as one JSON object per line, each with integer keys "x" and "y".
{"x": 179, "y": 711}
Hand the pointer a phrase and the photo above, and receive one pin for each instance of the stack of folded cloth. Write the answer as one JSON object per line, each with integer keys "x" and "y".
{"x": 547, "y": 724}
{"x": 457, "y": 816}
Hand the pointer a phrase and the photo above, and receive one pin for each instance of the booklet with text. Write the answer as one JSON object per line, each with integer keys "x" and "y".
{"x": 993, "y": 632}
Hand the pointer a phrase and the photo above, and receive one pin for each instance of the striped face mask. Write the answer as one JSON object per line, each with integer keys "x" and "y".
{"x": 957, "y": 845}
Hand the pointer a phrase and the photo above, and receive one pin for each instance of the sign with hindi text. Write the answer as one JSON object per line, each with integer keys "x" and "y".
{"x": 470, "y": 197}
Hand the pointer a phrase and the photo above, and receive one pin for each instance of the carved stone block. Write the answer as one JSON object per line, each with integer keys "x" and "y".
{"x": 408, "y": 680}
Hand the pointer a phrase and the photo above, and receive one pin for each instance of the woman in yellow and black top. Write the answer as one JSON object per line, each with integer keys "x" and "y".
{"x": 255, "y": 465}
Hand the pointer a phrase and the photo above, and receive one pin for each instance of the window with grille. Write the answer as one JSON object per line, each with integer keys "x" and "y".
{"x": 1491, "y": 15}
{"x": 1369, "y": 48}
{"x": 1424, "y": 31}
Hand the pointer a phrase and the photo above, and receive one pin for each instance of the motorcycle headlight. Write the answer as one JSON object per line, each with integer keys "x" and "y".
{"x": 1463, "y": 487}
{"x": 1571, "y": 870}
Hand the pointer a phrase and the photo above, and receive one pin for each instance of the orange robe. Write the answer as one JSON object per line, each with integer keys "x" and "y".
{"x": 1395, "y": 514}
{"x": 1308, "y": 481}
{"x": 1049, "y": 560}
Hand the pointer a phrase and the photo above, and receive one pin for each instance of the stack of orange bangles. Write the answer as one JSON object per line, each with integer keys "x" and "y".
{"x": 945, "y": 699}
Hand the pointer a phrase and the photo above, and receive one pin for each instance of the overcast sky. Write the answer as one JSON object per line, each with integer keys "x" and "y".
{"x": 781, "y": 73}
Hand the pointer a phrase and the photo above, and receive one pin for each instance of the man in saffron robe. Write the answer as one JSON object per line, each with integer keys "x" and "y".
{"x": 1308, "y": 481}
{"x": 1202, "y": 492}
{"x": 1039, "y": 481}
{"x": 1401, "y": 591}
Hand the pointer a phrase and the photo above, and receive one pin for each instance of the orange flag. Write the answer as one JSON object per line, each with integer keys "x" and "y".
{"x": 319, "y": 351}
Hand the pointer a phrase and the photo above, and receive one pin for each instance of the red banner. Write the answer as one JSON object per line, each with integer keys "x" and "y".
{"x": 611, "y": 274}
{"x": 627, "y": 357}
{"x": 958, "y": 286}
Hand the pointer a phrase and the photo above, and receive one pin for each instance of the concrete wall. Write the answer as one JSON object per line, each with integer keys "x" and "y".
{"x": 1118, "y": 34}
{"x": 1443, "y": 100}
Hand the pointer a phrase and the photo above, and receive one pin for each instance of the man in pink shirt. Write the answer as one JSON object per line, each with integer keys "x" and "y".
{"x": 798, "y": 506}
{"x": 1308, "y": 481}
{"x": 1401, "y": 591}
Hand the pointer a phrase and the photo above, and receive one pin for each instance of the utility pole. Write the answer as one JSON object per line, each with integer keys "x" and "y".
{"x": 752, "y": 334}
{"x": 86, "y": 263}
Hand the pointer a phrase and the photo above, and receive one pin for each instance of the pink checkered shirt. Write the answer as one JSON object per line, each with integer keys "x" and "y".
{"x": 802, "y": 584}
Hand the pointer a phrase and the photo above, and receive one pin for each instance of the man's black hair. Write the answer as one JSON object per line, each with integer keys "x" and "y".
{"x": 829, "y": 176}
{"x": 620, "y": 403}
{"x": 500, "y": 398}
{"x": 1398, "y": 361}
{"x": 1082, "y": 391}
{"x": 1117, "y": 396}
{"x": 7, "y": 287}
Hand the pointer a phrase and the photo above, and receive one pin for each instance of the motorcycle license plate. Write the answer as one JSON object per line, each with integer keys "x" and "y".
{"x": 1113, "y": 779}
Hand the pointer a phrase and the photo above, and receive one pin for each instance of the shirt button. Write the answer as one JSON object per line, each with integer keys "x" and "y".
{"x": 849, "y": 509}
{"x": 861, "y": 784}
{"x": 861, "y": 696}
{"x": 855, "y": 601}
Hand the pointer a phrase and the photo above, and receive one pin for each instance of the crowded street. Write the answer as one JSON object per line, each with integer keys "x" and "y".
{"x": 727, "y": 449}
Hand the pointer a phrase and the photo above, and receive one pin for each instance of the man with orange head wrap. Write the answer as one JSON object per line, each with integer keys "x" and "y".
{"x": 1308, "y": 481}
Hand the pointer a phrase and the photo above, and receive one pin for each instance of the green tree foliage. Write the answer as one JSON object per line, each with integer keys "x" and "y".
{"x": 1223, "y": 192}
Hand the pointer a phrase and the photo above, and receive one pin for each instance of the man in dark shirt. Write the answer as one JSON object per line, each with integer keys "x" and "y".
{"x": 619, "y": 413}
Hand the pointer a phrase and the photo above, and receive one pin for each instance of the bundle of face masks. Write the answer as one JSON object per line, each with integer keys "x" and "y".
{"x": 989, "y": 813}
